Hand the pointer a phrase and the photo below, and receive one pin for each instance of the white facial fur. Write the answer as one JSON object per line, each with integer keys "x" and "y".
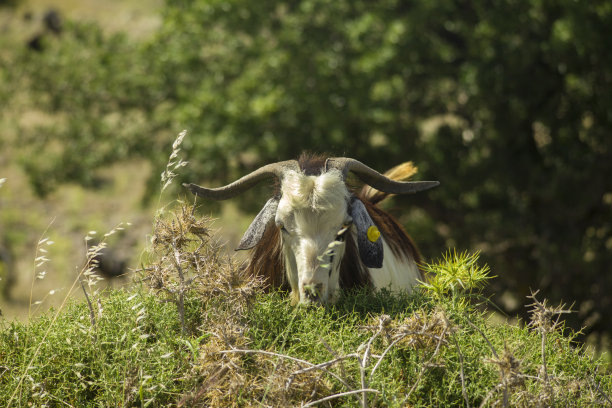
{"x": 311, "y": 212}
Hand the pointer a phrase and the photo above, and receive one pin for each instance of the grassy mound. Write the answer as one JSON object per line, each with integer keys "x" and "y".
{"x": 206, "y": 335}
{"x": 403, "y": 350}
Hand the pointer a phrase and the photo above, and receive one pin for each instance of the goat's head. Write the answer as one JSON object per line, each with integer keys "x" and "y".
{"x": 314, "y": 211}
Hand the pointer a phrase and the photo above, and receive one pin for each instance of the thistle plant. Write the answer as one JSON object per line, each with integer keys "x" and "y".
{"x": 178, "y": 243}
{"x": 545, "y": 320}
{"x": 455, "y": 274}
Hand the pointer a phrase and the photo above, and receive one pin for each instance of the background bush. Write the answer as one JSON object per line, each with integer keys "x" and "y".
{"x": 506, "y": 103}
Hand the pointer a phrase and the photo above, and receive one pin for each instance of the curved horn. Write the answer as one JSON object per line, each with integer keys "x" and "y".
{"x": 373, "y": 178}
{"x": 244, "y": 183}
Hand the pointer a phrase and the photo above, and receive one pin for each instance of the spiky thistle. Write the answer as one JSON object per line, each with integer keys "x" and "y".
{"x": 456, "y": 273}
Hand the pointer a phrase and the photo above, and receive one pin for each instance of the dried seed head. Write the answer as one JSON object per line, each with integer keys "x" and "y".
{"x": 169, "y": 173}
{"x": 419, "y": 331}
{"x": 545, "y": 319}
{"x": 509, "y": 367}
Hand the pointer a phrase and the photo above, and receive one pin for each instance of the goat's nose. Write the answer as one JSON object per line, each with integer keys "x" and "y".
{"x": 312, "y": 292}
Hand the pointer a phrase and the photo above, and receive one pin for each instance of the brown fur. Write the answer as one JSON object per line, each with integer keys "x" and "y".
{"x": 266, "y": 259}
{"x": 312, "y": 164}
{"x": 353, "y": 273}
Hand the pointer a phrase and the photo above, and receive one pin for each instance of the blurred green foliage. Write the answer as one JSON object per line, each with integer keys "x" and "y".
{"x": 508, "y": 104}
{"x": 100, "y": 97}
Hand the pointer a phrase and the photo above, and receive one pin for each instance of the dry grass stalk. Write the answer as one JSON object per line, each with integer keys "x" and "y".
{"x": 40, "y": 260}
{"x": 545, "y": 319}
{"x": 89, "y": 272}
{"x": 174, "y": 161}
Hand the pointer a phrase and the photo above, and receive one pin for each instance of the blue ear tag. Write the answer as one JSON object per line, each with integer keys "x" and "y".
{"x": 368, "y": 236}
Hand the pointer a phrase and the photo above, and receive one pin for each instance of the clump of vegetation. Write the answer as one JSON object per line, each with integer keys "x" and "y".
{"x": 230, "y": 344}
{"x": 184, "y": 253}
{"x": 431, "y": 348}
{"x": 131, "y": 356}
{"x": 187, "y": 259}
{"x": 456, "y": 274}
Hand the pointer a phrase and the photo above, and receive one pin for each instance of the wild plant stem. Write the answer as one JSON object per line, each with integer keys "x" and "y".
{"x": 181, "y": 292}
{"x": 607, "y": 398}
{"x": 364, "y": 396}
{"x": 506, "y": 398}
{"x": 324, "y": 365}
{"x": 363, "y": 362}
{"x": 544, "y": 369}
{"x": 36, "y": 257}
{"x": 92, "y": 315}
{"x": 462, "y": 374}
{"x": 425, "y": 364}
{"x": 342, "y": 394}
{"x": 269, "y": 353}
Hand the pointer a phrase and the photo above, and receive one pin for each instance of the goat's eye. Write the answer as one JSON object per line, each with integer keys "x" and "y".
{"x": 281, "y": 227}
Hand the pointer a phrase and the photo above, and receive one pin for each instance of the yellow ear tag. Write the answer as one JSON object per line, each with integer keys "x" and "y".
{"x": 373, "y": 233}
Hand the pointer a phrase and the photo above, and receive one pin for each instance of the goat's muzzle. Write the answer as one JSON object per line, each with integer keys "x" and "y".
{"x": 313, "y": 293}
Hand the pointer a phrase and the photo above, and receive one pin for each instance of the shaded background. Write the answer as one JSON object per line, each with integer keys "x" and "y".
{"x": 508, "y": 104}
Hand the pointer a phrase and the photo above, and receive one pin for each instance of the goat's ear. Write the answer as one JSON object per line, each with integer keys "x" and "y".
{"x": 368, "y": 237}
{"x": 257, "y": 228}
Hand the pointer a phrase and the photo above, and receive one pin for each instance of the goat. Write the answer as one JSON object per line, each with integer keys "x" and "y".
{"x": 326, "y": 237}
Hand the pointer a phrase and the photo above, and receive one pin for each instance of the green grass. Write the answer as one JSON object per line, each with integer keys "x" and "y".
{"x": 206, "y": 334}
{"x": 135, "y": 354}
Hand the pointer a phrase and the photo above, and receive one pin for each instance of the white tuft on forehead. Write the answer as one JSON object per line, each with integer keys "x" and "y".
{"x": 320, "y": 193}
